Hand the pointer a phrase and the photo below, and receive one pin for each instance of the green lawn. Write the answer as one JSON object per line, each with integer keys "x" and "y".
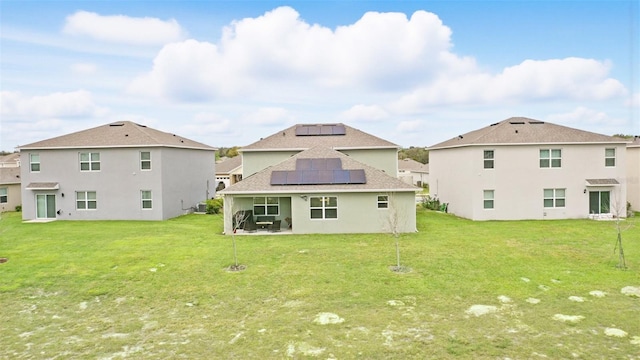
{"x": 137, "y": 290}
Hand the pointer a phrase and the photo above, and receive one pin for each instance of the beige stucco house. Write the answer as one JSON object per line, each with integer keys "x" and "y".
{"x": 121, "y": 170}
{"x": 413, "y": 172}
{"x": 523, "y": 168}
{"x": 10, "y": 194}
{"x": 633, "y": 173}
{"x": 228, "y": 172}
{"x": 323, "y": 178}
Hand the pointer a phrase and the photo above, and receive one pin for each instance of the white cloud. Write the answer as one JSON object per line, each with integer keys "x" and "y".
{"x": 84, "y": 68}
{"x": 410, "y": 126}
{"x": 366, "y": 113}
{"x": 123, "y": 29}
{"x": 55, "y": 105}
{"x": 634, "y": 100}
{"x": 582, "y": 117}
{"x": 268, "y": 116}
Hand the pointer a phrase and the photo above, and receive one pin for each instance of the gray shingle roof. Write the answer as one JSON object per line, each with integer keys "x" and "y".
{"x": 635, "y": 142}
{"x": 118, "y": 134}
{"x": 287, "y": 140}
{"x": 228, "y": 165}
{"x": 412, "y": 165}
{"x": 520, "y": 130}
{"x": 377, "y": 180}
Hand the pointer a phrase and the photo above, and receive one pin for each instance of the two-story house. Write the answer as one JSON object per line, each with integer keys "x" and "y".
{"x": 323, "y": 178}
{"x": 633, "y": 171}
{"x": 523, "y": 168}
{"x": 10, "y": 195}
{"x": 121, "y": 170}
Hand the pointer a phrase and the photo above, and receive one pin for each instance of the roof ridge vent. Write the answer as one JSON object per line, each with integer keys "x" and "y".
{"x": 536, "y": 122}
{"x": 116, "y": 124}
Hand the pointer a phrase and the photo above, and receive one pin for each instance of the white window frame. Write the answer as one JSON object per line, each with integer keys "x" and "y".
{"x": 86, "y": 198}
{"x": 488, "y": 160}
{"x": 383, "y": 201}
{"x": 34, "y": 159}
{"x": 488, "y": 197}
{"x": 93, "y": 164}
{"x": 552, "y": 159}
{"x": 323, "y": 208}
{"x": 554, "y": 198}
{"x": 609, "y": 159}
{"x": 144, "y": 161}
{"x": 146, "y": 200}
{"x": 266, "y": 203}
{"x": 4, "y": 195}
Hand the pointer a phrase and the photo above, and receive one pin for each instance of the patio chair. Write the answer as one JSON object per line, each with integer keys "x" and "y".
{"x": 275, "y": 226}
{"x": 250, "y": 226}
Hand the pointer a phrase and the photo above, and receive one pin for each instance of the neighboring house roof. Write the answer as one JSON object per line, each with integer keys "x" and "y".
{"x": 520, "y": 130}
{"x": 117, "y": 134}
{"x": 9, "y": 175}
{"x": 376, "y": 180}
{"x": 229, "y": 165}
{"x": 11, "y": 160}
{"x": 288, "y": 140}
{"x": 635, "y": 142}
{"x": 412, "y": 166}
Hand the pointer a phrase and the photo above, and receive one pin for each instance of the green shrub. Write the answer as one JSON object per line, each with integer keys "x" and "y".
{"x": 18, "y": 208}
{"x": 214, "y": 205}
{"x": 431, "y": 203}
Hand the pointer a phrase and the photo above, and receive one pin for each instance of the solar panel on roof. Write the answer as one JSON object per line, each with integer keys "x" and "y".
{"x": 314, "y": 130}
{"x": 303, "y": 164}
{"x": 326, "y": 130}
{"x": 334, "y": 163}
{"x": 341, "y": 176}
{"x": 339, "y": 130}
{"x": 318, "y": 164}
{"x": 320, "y": 130}
{"x": 302, "y": 130}
{"x": 325, "y": 177}
{"x": 279, "y": 178}
{"x": 357, "y": 177}
{"x": 321, "y": 171}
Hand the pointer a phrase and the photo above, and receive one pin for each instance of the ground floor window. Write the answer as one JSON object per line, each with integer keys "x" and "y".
{"x": 599, "y": 202}
{"x": 383, "y": 201}
{"x": 323, "y": 207}
{"x": 3, "y": 195}
{"x": 86, "y": 200}
{"x": 554, "y": 198}
{"x": 147, "y": 200}
{"x": 266, "y": 206}
{"x": 488, "y": 199}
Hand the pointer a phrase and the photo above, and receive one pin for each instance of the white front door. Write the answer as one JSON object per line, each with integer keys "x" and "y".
{"x": 45, "y": 206}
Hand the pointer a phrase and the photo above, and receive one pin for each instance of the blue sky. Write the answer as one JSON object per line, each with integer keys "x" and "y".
{"x": 227, "y": 73}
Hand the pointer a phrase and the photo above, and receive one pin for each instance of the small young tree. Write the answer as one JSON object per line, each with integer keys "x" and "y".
{"x": 618, "y": 209}
{"x": 237, "y": 219}
{"x": 394, "y": 220}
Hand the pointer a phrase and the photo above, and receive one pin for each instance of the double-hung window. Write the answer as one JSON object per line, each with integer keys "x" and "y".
{"x": 610, "y": 157}
{"x": 89, "y": 161}
{"x": 34, "y": 162}
{"x": 550, "y": 158}
{"x": 4, "y": 198}
{"x": 147, "y": 200}
{"x": 323, "y": 207}
{"x": 488, "y": 196}
{"x": 383, "y": 201}
{"x": 145, "y": 160}
{"x": 86, "y": 200}
{"x": 266, "y": 206}
{"x": 554, "y": 198}
{"x": 488, "y": 159}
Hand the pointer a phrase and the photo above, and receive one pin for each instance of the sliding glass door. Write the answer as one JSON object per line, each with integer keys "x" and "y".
{"x": 45, "y": 206}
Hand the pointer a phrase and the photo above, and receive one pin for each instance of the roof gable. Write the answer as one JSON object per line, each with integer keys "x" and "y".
{"x": 229, "y": 165}
{"x": 306, "y": 136}
{"x": 409, "y": 164}
{"x": 520, "y": 130}
{"x": 376, "y": 180}
{"x": 117, "y": 134}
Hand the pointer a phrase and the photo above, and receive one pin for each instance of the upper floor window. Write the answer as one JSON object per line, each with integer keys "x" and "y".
{"x": 383, "y": 201}
{"x": 3, "y": 195}
{"x": 610, "y": 157}
{"x": 266, "y": 206}
{"x": 488, "y": 159}
{"x": 323, "y": 207}
{"x": 554, "y": 198}
{"x": 550, "y": 158}
{"x": 89, "y": 161}
{"x": 488, "y": 199}
{"x": 34, "y": 162}
{"x": 147, "y": 200}
{"x": 145, "y": 160}
{"x": 86, "y": 200}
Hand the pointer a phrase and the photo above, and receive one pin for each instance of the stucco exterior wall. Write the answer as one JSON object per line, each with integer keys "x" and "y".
{"x": 14, "y": 197}
{"x": 633, "y": 177}
{"x": 254, "y": 161}
{"x": 458, "y": 177}
{"x": 383, "y": 159}
{"x": 119, "y": 182}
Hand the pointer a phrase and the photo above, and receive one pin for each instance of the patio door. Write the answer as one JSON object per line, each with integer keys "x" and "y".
{"x": 599, "y": 202}
{"x": 45, "y": 206}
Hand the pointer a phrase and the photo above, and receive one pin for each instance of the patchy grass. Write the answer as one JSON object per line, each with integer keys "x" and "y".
{"x": 482, "y": 290}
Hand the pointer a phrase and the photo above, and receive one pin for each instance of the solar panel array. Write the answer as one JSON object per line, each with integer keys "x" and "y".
{"x": 321, "y": 130}
{"x": 321, "y": 171}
